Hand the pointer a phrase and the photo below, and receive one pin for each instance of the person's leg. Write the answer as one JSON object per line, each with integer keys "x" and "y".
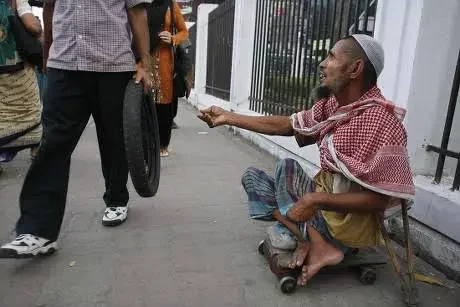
{"x": 107, "y": 111}
{"x": 291, "y": 183}
{"x": 164, "y": 114}
{"x": 262, "y": 205}
{"x": 175, "y": 106}
{"x": 260, "y": 188}
{"x": 322, "y": 253}
{"x": 65, "y": 115}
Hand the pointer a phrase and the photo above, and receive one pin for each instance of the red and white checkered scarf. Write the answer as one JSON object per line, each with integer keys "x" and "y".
{"x": 365, "y": 141}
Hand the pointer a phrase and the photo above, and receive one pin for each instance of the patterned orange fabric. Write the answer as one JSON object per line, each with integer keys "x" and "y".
{"x": 162, "y": 57}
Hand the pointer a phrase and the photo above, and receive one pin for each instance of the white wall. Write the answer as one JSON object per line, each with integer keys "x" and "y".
{"x": 421, "y": 43}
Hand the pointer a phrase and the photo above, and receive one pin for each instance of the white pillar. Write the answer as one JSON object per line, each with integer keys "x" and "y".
{"x": 421, "y": 43}
{"x": 201, "y": 49}
{"x": 397, "y": 29}
{"x": 243, "y": 52}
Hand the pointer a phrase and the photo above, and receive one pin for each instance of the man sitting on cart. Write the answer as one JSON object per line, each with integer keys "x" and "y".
{"x": 364, "y": 162}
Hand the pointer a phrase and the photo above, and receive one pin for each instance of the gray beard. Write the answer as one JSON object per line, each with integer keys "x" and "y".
{"x": 321, "y": 92}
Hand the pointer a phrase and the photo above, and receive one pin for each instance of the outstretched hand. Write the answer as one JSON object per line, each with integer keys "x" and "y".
{"x": 213, "y": 116}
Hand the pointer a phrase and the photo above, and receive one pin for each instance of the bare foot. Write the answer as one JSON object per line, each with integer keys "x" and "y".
{"x": 321, "y": 254}
{"x": 300, "y": 254}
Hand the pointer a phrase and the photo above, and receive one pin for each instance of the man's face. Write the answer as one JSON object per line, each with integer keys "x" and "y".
{"x": 334, "y": 70}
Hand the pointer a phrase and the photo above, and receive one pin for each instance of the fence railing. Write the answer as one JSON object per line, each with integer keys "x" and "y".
{"x": 220, "y": 48}
{"x": 292, "y": 37}
{"x": 192, "y": 39}
{"x": 443, "y": 151}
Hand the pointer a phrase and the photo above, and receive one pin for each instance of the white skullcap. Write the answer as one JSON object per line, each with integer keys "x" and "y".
{"x": 373, "y": 50}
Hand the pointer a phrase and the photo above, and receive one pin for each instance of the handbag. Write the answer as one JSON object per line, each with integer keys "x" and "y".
{"x": 37, "y": 3}
{"x": 28, "y": 46}
{"x": 180, "y": 54}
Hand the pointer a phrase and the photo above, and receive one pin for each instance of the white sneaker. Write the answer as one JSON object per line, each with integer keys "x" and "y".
{"x": 114, "y": 216}
{"x": 27, "y": 246}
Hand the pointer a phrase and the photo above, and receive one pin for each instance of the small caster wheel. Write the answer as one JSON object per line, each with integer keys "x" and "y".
{"x": 261, "y": 247}
{"x": 288, "y": 285}
{"x": 368, "y": 276}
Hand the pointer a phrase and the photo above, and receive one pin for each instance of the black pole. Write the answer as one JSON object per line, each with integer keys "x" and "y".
{"x": 448, "y": 125}
{"x": 366, "y": 17}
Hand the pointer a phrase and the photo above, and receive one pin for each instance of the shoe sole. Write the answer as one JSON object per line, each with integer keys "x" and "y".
{"x": 113, "y": 223}
{"x": 42, "y": 251}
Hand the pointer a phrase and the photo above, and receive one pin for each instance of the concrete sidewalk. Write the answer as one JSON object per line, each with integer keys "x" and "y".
{"x": 190, "y": 245}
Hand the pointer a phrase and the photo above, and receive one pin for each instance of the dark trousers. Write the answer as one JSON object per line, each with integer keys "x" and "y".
{"x": 165, "y": 114}
{"x": 70, "y": 99}
{"x": 175, "y": 103}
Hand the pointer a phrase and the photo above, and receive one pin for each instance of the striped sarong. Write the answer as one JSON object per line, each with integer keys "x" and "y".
{"x": 290, "y": 183}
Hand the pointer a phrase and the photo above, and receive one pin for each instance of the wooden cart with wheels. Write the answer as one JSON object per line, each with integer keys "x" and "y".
{"x": 365, "y": 263}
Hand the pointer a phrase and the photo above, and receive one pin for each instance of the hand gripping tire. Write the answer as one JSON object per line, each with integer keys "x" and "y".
{"x": 142, "y": 140}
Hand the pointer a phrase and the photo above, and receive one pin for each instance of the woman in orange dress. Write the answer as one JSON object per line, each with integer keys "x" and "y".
{"x": 162, "y": 19}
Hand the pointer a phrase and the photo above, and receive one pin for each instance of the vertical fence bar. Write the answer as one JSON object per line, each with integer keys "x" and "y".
{"x": 192, "y": 37}
{"x": 292, "y": 47}
{"x": 269, "y": 55}
{"x": 230, "y": 30}
{"x": 448, "y": 124}
{"x": 210, "y": 59}
{"x": 303, "y": 40}
{"x": 283, "y": 59}
{"x": 278, "y": 67}
{"x": 366, "y": 16}
{"x": 310, "y": 53}
{"x": 456, "y": 185}
{"x": 350, "y": 6}
{"x": 291, "y": 42}
{"x": 334, "y": 16}
{"x": 326, "y": 32}
{"x": 258, "y": 57}
{"x": 342, "y": 6}
{"x": 314, "y": 39}
{"x": 320, "y": 43}
{"x": 357, "y": 13}
{"x": 273, "y": 56}
{"x": 255, "y": 63}
{"x": 264, "y": 53}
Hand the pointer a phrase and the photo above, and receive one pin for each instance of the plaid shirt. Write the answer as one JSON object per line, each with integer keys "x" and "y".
{"x": 92, "y": 35}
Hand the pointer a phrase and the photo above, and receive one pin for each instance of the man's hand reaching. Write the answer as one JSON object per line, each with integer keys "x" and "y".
{"x": 213, "y": 116}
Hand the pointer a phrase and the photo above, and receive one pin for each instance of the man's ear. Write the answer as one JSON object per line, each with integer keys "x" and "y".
{"x": 357, "y": 68}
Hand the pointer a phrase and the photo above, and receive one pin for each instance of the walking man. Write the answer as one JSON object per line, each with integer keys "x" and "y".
{"x": 90, "y": 63}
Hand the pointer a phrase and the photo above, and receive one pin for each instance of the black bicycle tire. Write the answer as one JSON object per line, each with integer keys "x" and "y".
{"x": 139, "y": 135}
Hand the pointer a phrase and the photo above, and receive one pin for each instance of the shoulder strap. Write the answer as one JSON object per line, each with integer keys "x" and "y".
{"x": 171, "y": 11}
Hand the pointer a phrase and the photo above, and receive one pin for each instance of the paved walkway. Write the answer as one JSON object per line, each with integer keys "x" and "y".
{"x": 191, "y": 245}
